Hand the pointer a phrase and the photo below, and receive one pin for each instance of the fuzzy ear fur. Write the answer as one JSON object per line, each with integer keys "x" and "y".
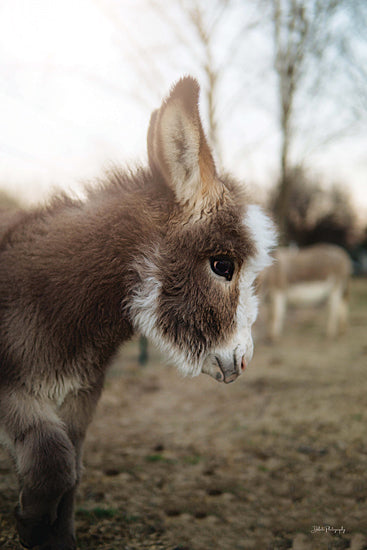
{"x": 178, "y": 149}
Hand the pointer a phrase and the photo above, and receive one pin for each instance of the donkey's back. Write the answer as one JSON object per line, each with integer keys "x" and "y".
{"x": 8, "y": 219}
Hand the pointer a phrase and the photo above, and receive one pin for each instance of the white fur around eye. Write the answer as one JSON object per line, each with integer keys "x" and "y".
{"x": 264, "y": 235}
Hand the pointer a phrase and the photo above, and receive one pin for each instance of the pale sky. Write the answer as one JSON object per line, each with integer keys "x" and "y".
{"x": 71, "y": 102}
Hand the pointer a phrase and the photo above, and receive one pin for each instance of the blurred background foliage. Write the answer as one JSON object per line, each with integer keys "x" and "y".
{"x": 7, "y": 201}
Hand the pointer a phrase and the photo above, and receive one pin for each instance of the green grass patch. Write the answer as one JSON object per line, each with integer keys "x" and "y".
{"x": 158, "y": 457}
{"x": 193, "y": 459}
{"x": 97, "y": 513}
{"x": 155, "y": 458}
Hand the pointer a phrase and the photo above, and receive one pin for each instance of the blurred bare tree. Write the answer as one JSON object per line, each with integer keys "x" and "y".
{"x": 194, "y": 38}
{"x": 308, "y": 37}
{"x": 199, "y": 44}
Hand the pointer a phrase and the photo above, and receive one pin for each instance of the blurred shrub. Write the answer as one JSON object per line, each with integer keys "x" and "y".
{"x": 317, "y": 214}
{"x": 7, "y": 202}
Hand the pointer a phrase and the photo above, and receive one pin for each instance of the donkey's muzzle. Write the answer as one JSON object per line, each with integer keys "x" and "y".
{"x": 224, "y": 370}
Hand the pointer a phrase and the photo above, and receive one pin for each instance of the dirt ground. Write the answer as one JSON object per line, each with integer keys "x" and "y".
{"x": 276, "y": 460}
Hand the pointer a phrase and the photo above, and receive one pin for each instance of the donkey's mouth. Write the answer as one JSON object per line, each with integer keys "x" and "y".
{"x": 221, "y": 370}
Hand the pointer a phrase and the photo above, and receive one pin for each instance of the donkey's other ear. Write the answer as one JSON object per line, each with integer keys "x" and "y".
{"x": 177, "y": 146}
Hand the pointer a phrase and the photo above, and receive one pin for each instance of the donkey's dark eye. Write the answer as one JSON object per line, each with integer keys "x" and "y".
{"x": 222, "y": 266}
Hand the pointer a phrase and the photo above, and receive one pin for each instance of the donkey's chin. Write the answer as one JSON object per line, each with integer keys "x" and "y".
{"x": 222, "y": 368}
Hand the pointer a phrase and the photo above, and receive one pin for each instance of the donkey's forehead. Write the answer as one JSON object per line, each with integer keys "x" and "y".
{"x": 223, "y": 230}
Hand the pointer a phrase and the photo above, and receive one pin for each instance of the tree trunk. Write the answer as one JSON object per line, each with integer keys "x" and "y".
{"x": 284, "y": 190}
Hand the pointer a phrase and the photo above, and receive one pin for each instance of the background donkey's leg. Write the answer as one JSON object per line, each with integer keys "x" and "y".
{"x": 278, "y": 305}
{"x": 335, "y": 300}
{"x": 343, "y": 311}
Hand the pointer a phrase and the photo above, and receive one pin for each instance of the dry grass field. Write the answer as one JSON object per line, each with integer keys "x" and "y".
{"x": 276, "y": 460}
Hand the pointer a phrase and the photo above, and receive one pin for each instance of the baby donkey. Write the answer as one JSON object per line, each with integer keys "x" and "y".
{"x": 170, "y": 251}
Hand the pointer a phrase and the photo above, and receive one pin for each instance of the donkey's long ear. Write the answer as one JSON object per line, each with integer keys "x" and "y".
{"x": 177, "y": 146}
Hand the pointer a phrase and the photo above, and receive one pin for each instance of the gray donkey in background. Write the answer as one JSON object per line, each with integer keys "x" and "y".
{"x": 170, "y": 251}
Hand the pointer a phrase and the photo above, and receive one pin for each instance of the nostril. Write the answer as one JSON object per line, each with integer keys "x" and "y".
{"x": 243, "y": 363}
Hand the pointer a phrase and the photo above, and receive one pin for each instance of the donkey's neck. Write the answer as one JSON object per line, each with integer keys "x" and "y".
{"x": 86, "y": 274}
